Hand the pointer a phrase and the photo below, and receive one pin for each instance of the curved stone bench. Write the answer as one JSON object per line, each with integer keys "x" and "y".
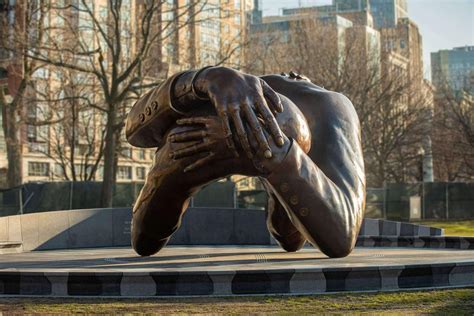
{"x": 111, "y": 228}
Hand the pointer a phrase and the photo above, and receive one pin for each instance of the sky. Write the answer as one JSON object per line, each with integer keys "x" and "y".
{"x": 443, "y": 24}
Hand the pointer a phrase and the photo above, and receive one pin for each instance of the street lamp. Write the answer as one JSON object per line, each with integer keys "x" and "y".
{"x": 421, "y": 156}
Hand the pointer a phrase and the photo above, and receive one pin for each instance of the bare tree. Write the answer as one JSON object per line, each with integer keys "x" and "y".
{"x": 76, "y": 142}
{"x": 102, "y": 43}
{"x": 453, "y": 135}
{"x": 22, "y": 37}
{"x": 393, "y": 110}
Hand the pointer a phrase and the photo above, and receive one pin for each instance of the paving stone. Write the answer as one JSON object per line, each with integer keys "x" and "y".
{"x": 336, "y": 279}
{"x": 9, "y": 283}
{"x": 194, "y": 283}
{"x": 441, "y": 273}
{"x": 34, "y": 284}
{"x": 166, "y": 283}
{"x": 371, "y": 227}
{"x": 251, "y": 282}
{"x": 58, "y": 282}
{"x": 418, "y": 276}
{"x": 280, "y": 280}
{"x": 137, "y": 285}
{"x": 306, "y": 282}
{"x": 91, "y": 284}
{"x": 222, "y": 282}
{"x": 389, "y": 228}
{"x": 390, "y": 276}
{"x": 363, "y": 279}
{"x": 462, "y": 274}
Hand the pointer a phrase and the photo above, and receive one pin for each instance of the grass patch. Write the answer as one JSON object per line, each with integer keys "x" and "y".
{"x": 453, "y": 228}
{"x": 450, "y": 301}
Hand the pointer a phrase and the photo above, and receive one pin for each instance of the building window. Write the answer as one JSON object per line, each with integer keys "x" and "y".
{"x": 100, "y": 172}
{"x": 127, "y": 152}
{"x": 38, "y": 169}
{"x": 402, "y": 44}
{"x": 141, "y": 154}
{"x": 140, "y": 171}
{"x": 237, "y": 18}
{"x": 124, "y": 173}
{"x": 59, "y": 171}
{"x": 3, "y": 74}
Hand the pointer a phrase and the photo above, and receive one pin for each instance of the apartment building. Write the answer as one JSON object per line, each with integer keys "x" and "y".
{"x": 193, "y": 34}
{"x": 323, "y": 31}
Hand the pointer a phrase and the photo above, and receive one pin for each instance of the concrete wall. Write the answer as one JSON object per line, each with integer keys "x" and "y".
{"x": 111, "y": 227}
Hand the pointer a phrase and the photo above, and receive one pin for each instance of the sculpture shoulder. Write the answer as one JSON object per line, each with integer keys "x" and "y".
{"x": 315, "y": 102}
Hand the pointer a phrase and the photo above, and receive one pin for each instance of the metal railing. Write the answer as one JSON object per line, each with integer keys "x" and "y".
{"x": 408, "y": 201}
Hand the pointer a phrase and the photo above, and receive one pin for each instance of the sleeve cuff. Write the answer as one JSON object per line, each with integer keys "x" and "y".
{"x": 152, "y": 115}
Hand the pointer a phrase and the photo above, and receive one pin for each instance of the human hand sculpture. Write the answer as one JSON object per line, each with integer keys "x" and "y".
{"x": 211, "y": 139}
{"x": 211, "y": 144}
{"x": 243, "y": 98}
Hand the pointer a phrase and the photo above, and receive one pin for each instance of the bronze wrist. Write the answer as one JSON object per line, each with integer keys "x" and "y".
{"x": 185, "y": 96}
{"x": 196, "y": 93}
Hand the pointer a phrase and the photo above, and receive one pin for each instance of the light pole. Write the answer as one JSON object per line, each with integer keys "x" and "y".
{"x": 421, "y": 156}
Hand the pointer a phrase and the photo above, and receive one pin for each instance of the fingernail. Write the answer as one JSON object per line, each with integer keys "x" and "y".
{"x": 171, "y": 155}
{"x": 187, "y": 169}
{"x": 249, "y": 155}
{"x": 268, "y": 154}
{"x": 280, "y": 141}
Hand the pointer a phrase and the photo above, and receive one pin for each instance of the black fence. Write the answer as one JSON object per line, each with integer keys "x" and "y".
{"x": 52, "y": 196}
{"x": 438, "y": 200}
{"x": 429, "y": 200}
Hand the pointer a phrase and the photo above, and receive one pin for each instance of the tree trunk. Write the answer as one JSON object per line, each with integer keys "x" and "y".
{"x": 11, "y": 131}
{"x": 110, "y": 161}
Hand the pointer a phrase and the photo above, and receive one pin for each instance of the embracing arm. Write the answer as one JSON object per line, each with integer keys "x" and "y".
{"x": 164, "y": 197}
{"x": 239, "y": 99}
{"x": 155, "y": 112}
{"x": 323, "y": 191}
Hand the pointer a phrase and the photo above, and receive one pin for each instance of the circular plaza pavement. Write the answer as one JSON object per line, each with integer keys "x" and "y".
{"x": 230, "y": 270}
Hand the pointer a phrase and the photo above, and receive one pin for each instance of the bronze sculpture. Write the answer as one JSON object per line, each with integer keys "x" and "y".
{"x": 301, "y": 140}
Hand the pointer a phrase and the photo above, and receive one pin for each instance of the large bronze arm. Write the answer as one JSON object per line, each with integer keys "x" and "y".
{"x": 238, "y": 99}
{"x": 323, "y": 190}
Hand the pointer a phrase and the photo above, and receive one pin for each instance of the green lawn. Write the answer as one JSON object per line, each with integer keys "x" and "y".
{"x": 453, "y": 228}
{"x": 443, "y": 302}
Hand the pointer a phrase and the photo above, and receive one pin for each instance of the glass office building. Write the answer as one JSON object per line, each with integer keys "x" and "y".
{"x": 454, "y": 67}
{"x": 385, "y": 12}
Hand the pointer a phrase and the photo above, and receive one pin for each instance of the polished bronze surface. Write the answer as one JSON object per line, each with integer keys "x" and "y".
{"x": 301, "y": 140}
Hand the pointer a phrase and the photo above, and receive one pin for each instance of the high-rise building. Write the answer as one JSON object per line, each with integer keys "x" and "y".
{"x": 328, "y": 33}
{"x": 350, "y": 5}
{"x": 387, "y": 13}
{"x": 454, "y": 67}
{"x": 207, "y": 33}
{"x": 405, "y": 39}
